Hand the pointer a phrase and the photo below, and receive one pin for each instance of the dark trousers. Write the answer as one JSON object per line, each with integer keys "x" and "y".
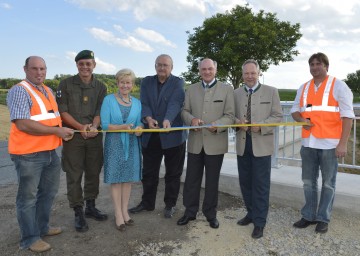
{"x": 174, "y": 165}
{"x": 254, "y": 178}
{"x": 80, "y": 158}
{"x": 194, "y": 175}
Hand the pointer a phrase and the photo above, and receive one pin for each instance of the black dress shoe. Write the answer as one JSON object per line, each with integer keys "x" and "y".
{"x": 169, "y": 212}
{"x": 185, "y": 220}
{"x": 257, "y": 232}
{"x": 244, "y": 221}
{"x": 321, "y": 227}
{"x": 303, "y": 223}
{"x": 140, "y": 208}
{"x": 214, "y": 223}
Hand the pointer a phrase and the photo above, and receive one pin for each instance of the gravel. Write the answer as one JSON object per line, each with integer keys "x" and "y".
{"x": 153, "y": 235}
{"x": 280, "y": 238}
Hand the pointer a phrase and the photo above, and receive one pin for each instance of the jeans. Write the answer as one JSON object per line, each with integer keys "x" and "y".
{"x": 313, "y": 160}
{"x": 38, "y": 179}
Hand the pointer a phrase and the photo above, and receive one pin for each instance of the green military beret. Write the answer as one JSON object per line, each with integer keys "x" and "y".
{"x": 85, "y": 54}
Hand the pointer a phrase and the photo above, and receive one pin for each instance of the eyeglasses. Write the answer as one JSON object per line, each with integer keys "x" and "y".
{"x": 160, "y": 65}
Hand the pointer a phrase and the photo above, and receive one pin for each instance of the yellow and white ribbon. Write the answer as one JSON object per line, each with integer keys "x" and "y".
{"x": 172, "y": 129}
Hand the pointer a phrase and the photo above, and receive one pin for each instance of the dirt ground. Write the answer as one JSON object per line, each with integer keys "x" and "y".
{"x": 152, "y": 233}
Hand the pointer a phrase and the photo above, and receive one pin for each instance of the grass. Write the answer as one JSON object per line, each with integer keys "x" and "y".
{"x": 3, "y": 93}
{"x": 287, "y": 94}
{"x": 4, "y": 122}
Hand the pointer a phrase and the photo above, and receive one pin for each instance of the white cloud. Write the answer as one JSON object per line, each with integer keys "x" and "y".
{"x": 154, "y": 36}
{"x": 328, "y": 26}
{"x": 215, "y": 6}
{"x": 70, "y": 55}
{"x": 118, "y": 28}
{"x": 315, "y": 13}
{"x": 103, "y": 5}
{"x": 128, "y": 42}
{"x": 101, "y": 66}
{"x": 180, "y": 10}
{"x": 5, "y": 6}
{"x": 104, "y": 67}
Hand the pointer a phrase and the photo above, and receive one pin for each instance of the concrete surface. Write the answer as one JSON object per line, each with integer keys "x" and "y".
{"x": 286, "y": 186}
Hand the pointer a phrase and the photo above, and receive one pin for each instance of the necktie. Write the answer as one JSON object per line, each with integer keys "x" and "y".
{"x": 248, "y": 110}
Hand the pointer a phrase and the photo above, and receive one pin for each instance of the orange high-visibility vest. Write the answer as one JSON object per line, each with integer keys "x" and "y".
{"x": 322, "y": 110}
{"x": 44, "y": 111}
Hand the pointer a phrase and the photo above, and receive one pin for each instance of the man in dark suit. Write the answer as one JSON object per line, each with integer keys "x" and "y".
{"x": 208, "y": 102}
{"x": 255, "y": 103}
{"x": 162, "y": 97}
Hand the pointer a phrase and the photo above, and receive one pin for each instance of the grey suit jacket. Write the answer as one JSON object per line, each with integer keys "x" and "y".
{"x": 211, "y": 105}
{"x": 265, "y": 108}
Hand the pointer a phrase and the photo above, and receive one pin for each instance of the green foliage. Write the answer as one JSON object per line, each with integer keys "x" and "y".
{"x": 287, "y": 94}
{"x": 7, "y": 83}
{"x": 356, "y": 97}
{"x": 52, "y": 83}
{"x": 238, "y": 35}
{"x": 353, "y": 81}
{"x": 108, "y": 80}
{"x": 61, "y": 77}
{"x": 3, "y": 93}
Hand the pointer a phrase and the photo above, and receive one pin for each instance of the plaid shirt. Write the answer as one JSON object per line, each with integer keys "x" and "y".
{"x": 19, "y": 101}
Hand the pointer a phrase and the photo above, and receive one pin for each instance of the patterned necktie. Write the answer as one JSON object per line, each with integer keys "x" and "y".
{"x": 248, "y": 110}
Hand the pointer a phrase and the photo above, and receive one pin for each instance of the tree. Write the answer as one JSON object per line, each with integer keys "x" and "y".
{"x": 238, "y": 35}
{"x": 52, "y": 83}
{"x": 353, "y": 81}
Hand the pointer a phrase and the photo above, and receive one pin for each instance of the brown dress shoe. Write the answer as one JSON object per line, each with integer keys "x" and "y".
{"x": 121, "y": 227}
{"x": 40, "y": 246}
{"x": 130, "y": 222}
{"x": 53, "y": 231}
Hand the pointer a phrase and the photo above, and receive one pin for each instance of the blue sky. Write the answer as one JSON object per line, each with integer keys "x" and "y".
{"x": 131, "y": 33}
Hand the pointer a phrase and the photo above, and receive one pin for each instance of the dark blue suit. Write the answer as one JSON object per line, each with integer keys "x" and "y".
{"x": 162, "y": 105}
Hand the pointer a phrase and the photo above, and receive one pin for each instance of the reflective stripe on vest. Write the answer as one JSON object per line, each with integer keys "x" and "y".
{"x": 44, "y": 113}
{"x": 325, "y": 99}
{"x": 322, "y": 109}
{"x": 20, "y": 142}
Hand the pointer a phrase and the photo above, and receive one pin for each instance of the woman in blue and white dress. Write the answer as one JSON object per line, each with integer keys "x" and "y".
{"x": 122, "y": 150}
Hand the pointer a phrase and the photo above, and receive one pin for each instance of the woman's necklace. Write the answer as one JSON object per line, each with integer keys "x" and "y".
{"x": 123, "y": 100}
